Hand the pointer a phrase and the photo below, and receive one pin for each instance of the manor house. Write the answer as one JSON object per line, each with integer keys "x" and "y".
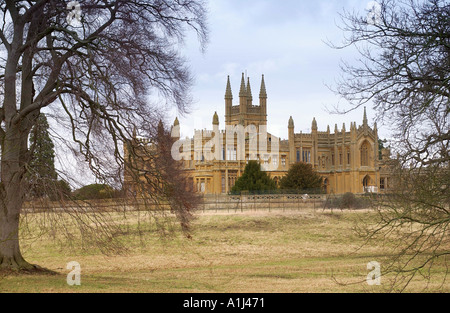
{"x": 348, "y": 160}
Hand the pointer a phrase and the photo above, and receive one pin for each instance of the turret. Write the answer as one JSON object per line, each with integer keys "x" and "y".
{"x": 353, "y": 131}
{"x": 314, "y": 125}
{"x": 243, "y": 97}
{"x": 315, "y": 141}
{"x": 263, "y": 97}
{"x": 291, "y": 127}
{"x": 291, "y": 124}
{"x": 249, "y": 93}
{"x": 176, "y": 129}
{"x": 215, "y": 119}
{"x": 228, "y": 101}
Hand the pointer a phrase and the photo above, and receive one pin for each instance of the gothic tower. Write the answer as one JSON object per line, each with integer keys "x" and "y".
{"x": 245, "y": 113}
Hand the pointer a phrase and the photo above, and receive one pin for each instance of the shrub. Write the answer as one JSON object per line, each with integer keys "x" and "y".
{"x": 95, "y": 192}
{"x": 348, "y": 201}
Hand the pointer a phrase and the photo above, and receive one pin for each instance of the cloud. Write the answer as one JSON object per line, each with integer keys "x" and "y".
{"x": 285, "y": 41}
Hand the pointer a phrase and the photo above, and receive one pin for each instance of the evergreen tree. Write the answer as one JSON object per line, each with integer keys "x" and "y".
{"x": 254, "y": 180}
{"x": 381, "y": 146}
{"x": 42, "y": 176}
{"x": 301, "y": 176}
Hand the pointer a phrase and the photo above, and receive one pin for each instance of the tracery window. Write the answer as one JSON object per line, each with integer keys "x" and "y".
{"x": 365, "y": 148}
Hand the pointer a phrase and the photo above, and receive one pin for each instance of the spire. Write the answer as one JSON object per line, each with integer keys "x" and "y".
{"x": 215, "y": 119}
{"x": 228, "y": 93}
{"x": 243, "y": 91}
{"x": 343, "y": 128}
{"x": 176, "y": 122}
{"x": 249, "y": 90}
{"x": 365, "y": 123}
{"x": 263, "y": 92}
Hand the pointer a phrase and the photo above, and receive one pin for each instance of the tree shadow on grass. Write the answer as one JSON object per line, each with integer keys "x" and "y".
{"x": 33, "y": 270}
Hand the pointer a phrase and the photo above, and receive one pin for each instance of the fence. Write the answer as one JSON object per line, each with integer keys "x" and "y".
{"x": 230, "y": 203}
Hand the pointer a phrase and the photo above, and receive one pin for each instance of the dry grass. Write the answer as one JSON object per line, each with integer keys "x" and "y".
{"x": 253, "y": 252}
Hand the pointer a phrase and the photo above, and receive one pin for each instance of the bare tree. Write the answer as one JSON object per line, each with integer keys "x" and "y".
{"x": 95, "y": 76}
{"x": 404, "y": 72}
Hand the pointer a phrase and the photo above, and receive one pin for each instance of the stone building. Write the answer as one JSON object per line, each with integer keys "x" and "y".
{"x": 214, "y": 159}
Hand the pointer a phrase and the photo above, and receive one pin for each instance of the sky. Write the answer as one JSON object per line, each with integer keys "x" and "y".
{"x": 287, "y": 42}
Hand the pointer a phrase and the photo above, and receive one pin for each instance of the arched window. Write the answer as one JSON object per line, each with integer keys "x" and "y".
{"x": 365, "y": 148}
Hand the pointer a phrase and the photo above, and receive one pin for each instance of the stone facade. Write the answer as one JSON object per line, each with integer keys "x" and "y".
{"x": 348, "y": 160}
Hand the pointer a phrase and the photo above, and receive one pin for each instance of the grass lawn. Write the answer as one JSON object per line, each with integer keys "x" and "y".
{"x": 252, "y": 252}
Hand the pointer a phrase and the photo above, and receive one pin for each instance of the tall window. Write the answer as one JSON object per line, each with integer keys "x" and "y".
{"x": 275, "y": 161}
{"x": 231, "y": 154}
{"x": 298, "y": 156}
{"x": 365, "y": 154}
{"x": 202, "y": 187}
{"x": 306, "y": 156}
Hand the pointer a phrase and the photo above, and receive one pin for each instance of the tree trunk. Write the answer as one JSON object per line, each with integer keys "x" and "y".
{"x": 10, "y": 255}
{"x": 12, "y": 195}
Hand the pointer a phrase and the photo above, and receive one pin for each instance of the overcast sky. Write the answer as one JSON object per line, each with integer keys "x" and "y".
{"x": 285, "y": 41}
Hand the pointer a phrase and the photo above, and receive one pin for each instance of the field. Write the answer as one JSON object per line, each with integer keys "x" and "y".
{"x": 299, "y": 251}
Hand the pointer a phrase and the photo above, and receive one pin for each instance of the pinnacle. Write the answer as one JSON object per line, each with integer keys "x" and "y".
{"x": 291, "y": 122}
{"x": 365, "y": 122}
{"x": 249, "y": 90}
{"x": 314, "y": 123}
{"x": 228, "y": 93}
{"x": 243, "y": 91}
{"x": 215, "y": 119}
{"x": 263, "y": 92}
